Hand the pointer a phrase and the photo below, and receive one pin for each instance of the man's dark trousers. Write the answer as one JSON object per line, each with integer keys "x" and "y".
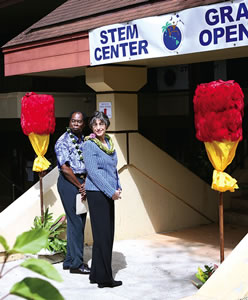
{"x": 75, "y": 223}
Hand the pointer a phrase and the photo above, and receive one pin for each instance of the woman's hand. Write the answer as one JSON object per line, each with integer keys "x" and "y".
{"x": 117, "y": 195}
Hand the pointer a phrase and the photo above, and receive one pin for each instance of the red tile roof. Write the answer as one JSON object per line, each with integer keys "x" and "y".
{"x": 78, "y": 16}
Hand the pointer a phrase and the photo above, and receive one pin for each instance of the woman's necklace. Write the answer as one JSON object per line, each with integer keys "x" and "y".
{"x": 75, "y": 143}
{"x": 104, "y": 148}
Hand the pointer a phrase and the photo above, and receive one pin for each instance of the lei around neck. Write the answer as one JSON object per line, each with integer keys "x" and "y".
{"x": 74, "y": 141}
{"x": 92, "y": 137}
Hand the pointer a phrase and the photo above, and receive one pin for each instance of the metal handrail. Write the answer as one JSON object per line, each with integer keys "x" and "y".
{"x": 166, "y": 189}
{"x": 153, "y": 180}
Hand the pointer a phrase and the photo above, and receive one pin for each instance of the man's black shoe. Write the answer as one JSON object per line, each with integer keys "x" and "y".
{"x": 66, "y": 268}
{"x": 84, "y": 269}
{"x": 93, "y": 281}
{"x": 111, "y": 284}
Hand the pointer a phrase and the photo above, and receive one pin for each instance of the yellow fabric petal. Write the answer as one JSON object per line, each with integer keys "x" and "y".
{"x": 221, "y": 155}
{"x": 40, "y": 144}
{"x": 223, "y": 182}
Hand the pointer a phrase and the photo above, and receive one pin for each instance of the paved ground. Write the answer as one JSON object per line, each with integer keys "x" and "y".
{"x": 156, "y": 267}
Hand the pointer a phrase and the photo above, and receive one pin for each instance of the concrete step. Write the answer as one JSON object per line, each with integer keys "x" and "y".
{"x": 236, "y": 217}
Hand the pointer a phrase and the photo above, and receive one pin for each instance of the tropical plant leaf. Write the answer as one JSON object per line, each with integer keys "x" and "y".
{"x": 45, "y": 223}
{"x": 35, "y": 288}
{"x": 209, "y": 270}
{"x": 3, "y": 242}
{"x": 42, "y": 267}
{"x": 197, "y": 275}
{"x": 57, "y": 232}
{"x": 201, "y": 276}
{"x": 31, "y": 241}
{"x": 59, "y": 225}
{"x": 48, "y": 217}
{"x": 61, "y": 219}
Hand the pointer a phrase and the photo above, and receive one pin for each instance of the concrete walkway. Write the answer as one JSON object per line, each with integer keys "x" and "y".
{"x": 156, "y": 267}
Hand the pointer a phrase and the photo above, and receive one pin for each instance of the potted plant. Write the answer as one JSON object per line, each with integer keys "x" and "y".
{"x": 203, "y": 275}
{"x": 56, "y": 245}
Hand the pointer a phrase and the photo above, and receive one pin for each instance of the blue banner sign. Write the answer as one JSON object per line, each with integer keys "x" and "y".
{"x": 204, "y": 28}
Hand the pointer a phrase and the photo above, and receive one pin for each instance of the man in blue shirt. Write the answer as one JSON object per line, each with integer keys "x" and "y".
{"x": 68, "y": 149}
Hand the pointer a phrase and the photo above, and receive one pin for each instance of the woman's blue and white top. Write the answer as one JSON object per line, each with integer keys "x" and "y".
{"x": 102, "y": 174}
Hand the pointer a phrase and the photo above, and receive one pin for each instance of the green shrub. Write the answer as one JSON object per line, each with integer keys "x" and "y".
{"x": 32, "y": 288}
{"x": 55, "y": 228}
{"x": 203, "y": 275}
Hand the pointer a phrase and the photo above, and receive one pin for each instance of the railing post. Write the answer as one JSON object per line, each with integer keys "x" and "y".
{"x": 13, "y": 192}
{"x": 127, "y": 141}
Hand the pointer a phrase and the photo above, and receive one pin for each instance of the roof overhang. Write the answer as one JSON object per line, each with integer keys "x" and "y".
{"x": 60, "y": 54}
{"x": 69, "y": 57}
{"x": 63, "y": 53}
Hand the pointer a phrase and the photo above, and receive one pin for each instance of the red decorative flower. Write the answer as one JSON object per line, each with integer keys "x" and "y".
{"x": 37, "y": 114}
{"x": 219, "y": 107}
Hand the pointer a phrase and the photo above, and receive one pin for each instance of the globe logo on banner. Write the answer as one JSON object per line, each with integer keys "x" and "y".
{"x": 172, "y": 35}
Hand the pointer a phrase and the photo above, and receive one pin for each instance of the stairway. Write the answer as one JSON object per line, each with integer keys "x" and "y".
{"x": 237, "y": 214}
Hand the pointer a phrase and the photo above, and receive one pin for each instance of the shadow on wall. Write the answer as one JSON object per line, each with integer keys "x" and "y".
{"x": 51, "y": 199}
{"x": 159, "y": 205}
{"x": 165, "y": 211}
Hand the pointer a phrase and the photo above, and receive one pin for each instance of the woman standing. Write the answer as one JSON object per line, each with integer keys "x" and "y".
{"x": 102, "y": 188}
